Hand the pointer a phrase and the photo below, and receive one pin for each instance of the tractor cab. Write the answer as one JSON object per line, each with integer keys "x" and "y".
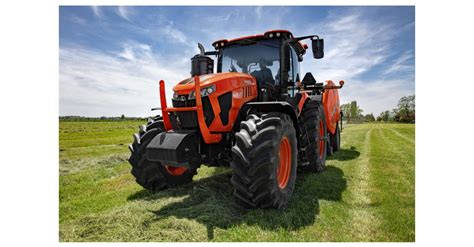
{"x": 259, "y": 59}
{"x": 272, "y": 59}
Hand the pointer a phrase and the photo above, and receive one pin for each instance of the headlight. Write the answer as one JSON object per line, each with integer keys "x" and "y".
{"x": 206, "y": 91}
{"x": 175, "y": 95}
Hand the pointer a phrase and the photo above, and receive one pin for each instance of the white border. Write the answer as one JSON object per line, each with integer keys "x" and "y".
{"x": 29, "y": 101}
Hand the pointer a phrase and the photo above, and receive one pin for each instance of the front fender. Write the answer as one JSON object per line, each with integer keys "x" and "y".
{"x": 272, "y": 106}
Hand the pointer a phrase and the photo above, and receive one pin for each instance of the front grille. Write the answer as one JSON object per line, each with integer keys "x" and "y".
{"x": 225, "y": 103}
{"x": 188, "y": 119}
{"x": 184, "y": 103}
{"x": 208, "y": 113}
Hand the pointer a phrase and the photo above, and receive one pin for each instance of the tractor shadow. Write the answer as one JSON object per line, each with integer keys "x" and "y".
{"x": 345, "y": 154}
{"x": 210, "y": 202}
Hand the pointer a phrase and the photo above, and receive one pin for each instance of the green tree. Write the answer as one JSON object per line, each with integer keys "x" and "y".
{"x": 346, "y": 111}
{"x": 355, "y": 111}
{"x": 352, "y": 112}
{"x": 385, "y": 116}
{"x": 123, "y": 116}
{"x": 369, "y": 118}
{"x": 406, "y": 109}
{"x": 396, "y": 115}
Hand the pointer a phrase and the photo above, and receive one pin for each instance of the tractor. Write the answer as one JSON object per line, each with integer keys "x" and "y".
{"x": 253, "y": 114}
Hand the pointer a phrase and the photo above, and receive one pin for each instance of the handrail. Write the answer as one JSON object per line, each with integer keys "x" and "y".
{"x": 164, "y": 108}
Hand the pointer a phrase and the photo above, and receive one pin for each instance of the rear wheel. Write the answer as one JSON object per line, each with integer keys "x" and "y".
{"x": 313, "y": 137}
{"x": 154, "y": 175}
{"x": 264, "y": 161}
{"x": 335, "y": 139}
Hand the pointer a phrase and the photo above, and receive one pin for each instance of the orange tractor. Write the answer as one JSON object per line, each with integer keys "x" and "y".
{"x": 254, "y": 114}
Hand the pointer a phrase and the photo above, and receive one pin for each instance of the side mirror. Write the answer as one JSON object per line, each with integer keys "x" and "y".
{"x": 318, "y": 48}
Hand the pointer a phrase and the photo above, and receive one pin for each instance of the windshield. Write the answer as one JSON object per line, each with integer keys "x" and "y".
{"x": 260, "y": 59}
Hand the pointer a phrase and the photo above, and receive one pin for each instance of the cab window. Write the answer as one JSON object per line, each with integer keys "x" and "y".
{"x": 294, "y": 65}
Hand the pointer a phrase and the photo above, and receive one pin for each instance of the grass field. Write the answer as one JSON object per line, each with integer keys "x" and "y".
{"x": 366, "y": 193}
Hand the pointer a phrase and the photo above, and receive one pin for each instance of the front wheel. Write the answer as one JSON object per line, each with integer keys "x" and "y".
{"x": 154, "y": 175}
{"x": 264, "y": 161}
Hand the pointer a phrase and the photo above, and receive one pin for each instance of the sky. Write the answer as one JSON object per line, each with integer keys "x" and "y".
{"x": 112, "y": 57}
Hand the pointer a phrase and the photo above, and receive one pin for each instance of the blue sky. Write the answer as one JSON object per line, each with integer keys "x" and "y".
{"x": 111, "y": 58}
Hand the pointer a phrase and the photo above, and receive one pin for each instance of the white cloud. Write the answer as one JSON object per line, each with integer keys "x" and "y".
{"x": 174, "y": 33}
{"x": 352, "y": 46}
{"x": 133, "y": 51}
{"x": 258, "y": 12}
{"x": 401, "y": 64}
{"x": 125, "y": 80}
{"x": 94, "y": 83}
{"x": 376, "y": 96}
{"x": 124, "y": 12}
{"x": 355, "y": 45}
{"x": 97, "y": 11}
{"x": 226, "y": 17}
{"x": 163, "y": 30}
{"x": 78, "y": 20}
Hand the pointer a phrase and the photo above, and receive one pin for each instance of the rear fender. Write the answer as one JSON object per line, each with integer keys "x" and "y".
{"x": 305, "y": 97}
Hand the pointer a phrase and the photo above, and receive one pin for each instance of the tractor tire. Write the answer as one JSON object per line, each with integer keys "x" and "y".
{"x": 314, "y": 144}
{"x": 264, "y": 160}
{"x": 154, "y": 175}
{"x": 335, "y": 140}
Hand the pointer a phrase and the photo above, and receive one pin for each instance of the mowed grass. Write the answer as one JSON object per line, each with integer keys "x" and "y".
{"x": 366, "y": 193}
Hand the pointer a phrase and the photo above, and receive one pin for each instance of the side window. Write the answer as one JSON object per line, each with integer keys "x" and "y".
{"x": 290, "y": 70}
{"x": 295, "y": 65}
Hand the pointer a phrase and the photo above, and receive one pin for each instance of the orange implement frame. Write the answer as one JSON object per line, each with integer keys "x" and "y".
{"x": 331, "y": 105}
{"x": 208, "y": 137}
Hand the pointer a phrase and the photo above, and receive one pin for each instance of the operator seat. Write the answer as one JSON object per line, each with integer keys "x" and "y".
{"x": 265, "y": 81}
{"x": 264, "y": 75}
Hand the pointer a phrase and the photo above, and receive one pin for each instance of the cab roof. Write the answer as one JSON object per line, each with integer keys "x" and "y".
{"x": 282, "y": 34}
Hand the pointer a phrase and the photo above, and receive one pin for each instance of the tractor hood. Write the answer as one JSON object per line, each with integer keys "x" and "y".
{"x": 187, "y": 85}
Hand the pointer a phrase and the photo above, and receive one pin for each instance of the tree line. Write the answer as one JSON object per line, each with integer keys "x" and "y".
{"x": 98, "y": 119}
{"x": 404, "y": 113}
{"x": 352, "y": 113}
